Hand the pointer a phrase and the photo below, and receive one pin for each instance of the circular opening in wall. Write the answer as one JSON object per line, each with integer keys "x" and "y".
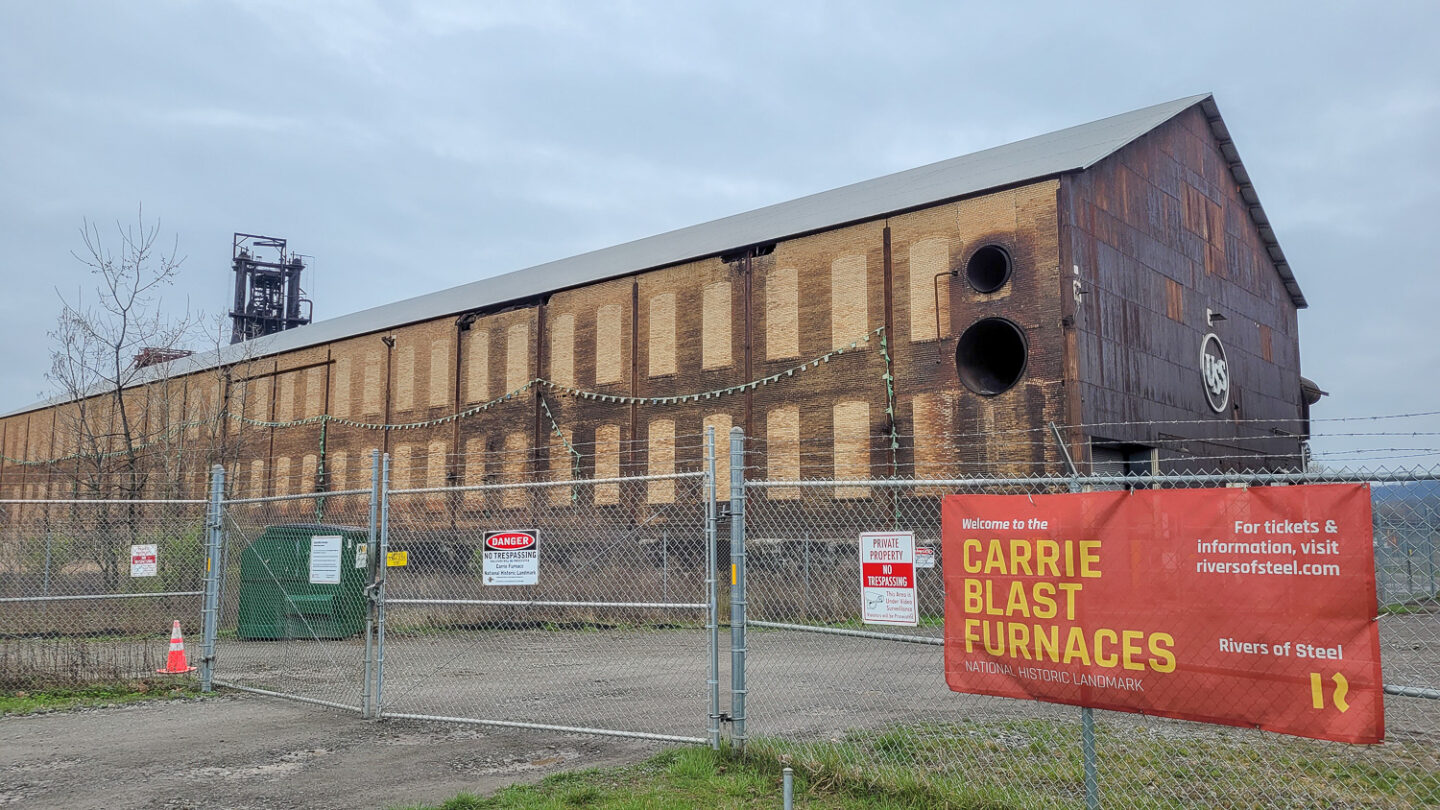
{"x": 988, "y": 268}
{"x": 991, "y": 356}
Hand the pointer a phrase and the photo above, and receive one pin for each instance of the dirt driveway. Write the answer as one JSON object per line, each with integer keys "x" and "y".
{"x": 250, "y": 753}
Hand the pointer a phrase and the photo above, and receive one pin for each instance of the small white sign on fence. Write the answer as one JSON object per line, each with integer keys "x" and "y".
{"x": 511, "y": 558}
{"x": 325, "y": 559}
{"x": 144, "y": 560}
{"x": 887, "y": 579}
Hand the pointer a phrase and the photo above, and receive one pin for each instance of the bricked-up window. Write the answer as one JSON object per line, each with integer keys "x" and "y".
{"x": 722, "y": 424}
{"x": 928, "y": 257}
{"x": 607, "y": 463}
{"x": 440, "y": 390}
{"x": 257, "y": 478}
{"x": 782, "y": 451}
{"x": 661, "y": 456}
{"x": 932, "y": 417}
{"x": 561, "y": 469}
{"x": 1267, "y": 350}
{"x": 852, "y": 446}
{"x": 715, "y": 325}
{"x": 477, "y": 365}
{"x": 404, "y": 372}
{"x": 782, "y": 314}
{"x": 282, "y": 475}
{"x": 474, "y": 469}
{"x": 662, "y": 334}
{"x": 340, "y": 387}
{"x": 309, "y": 469}
{"x": 436, "y": 458}
{"x": 259, "y": 396}
{"x": 400, "y": 467}
{"x": 849, "y": 291}
{"x": 314, "y": 391}
{"x": 1174, "y": 300}
{"x": 562, "y": 349}
{"x": 516, "y": 453}
{"x": 284, "y": 403}
{"x": 517, "y": 357}
{"x": 336, "y": 469}
{"x": 608, "y": 359}
{"x": 374, "y": 385}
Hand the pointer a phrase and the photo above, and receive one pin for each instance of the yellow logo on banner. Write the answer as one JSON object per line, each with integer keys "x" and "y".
{"x": 397, "y": 559}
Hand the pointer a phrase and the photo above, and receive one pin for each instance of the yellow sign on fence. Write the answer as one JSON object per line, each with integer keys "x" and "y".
{"x": 397, "y": 559}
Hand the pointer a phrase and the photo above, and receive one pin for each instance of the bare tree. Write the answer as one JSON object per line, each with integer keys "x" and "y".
{"x": 107, "y": 364}
{"x": 102, "y": 345}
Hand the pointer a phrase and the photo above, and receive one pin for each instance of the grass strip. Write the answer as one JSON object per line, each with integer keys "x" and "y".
{"x": 1001, "y": 764}
{"x": 60, "y": 698}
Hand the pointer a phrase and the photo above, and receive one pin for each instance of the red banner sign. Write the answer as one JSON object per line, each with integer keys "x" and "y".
{"x": 1247, "y": 607}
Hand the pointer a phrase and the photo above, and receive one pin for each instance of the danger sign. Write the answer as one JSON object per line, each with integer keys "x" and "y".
{"x": 1247, "y": 607}
{"x": 511, "y": 558}
{"x": 887, "y": 579}
{"x": 144, "y": 561}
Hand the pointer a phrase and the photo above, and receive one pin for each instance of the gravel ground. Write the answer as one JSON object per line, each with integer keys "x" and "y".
{"x": 250, "y": 753}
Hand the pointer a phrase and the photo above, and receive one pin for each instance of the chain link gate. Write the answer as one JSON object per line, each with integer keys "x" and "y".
{"x": 819, "y": 688}
{"x": 612, "y": 632}
{"x": 279, "y": 629}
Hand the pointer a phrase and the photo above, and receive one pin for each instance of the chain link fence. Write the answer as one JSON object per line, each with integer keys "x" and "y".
{"x": 598, "y": 620}
{"x": 862, "y": 702}
{"x": 293, "y": 598}
{"x": 89, "y": 589}
{"x": 389, "y": 602}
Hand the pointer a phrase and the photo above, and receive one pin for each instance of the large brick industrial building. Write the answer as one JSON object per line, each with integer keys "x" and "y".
{"x": 1117, "y": 278}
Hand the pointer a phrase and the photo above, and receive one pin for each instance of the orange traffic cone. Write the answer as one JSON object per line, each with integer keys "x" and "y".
{"x": 175, "y": 664}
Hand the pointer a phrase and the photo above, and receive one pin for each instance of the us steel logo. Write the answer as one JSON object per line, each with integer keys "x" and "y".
{"x": 1215, "y": 371}
{"x": 509, "y": 541}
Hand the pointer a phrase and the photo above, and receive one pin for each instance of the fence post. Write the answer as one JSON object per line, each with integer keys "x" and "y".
{"x": 712, "y": 604}
{"x": 737, "y": 586}
{"x": 210, "y": 609}
{"x": 373, "y": 548}
{"x": 1087, "y": 714}
{"x": 382, "y": 562}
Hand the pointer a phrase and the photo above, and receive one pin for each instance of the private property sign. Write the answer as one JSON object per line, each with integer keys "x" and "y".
{"x": 144, "y": 560}
{"x": 511, "y": 558}
{"x": 887, "y": 579}
{"x": 1246, "y": 607}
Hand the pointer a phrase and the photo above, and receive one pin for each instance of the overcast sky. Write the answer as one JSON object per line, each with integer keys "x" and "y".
{"x": 413, "y": 147}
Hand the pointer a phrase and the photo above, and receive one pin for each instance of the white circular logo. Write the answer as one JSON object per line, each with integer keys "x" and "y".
{"x": 1215, "y": 372}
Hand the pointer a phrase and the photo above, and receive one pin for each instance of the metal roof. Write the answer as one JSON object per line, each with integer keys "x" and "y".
{"x": 1066, "y": 150}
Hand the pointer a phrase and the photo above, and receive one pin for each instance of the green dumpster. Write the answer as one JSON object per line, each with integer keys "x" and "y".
{"x": 304, "y": 581}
